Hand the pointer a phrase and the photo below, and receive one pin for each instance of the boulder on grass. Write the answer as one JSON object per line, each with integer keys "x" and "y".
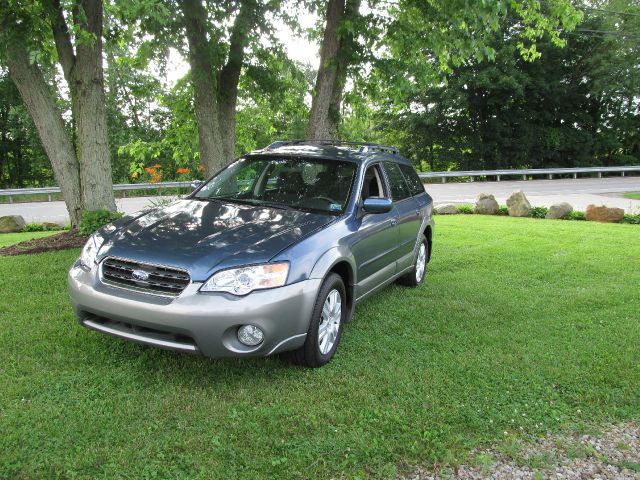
{"x": 446, "y": 209}
{"x": 11, "y": 224}
{"x": 51, "y": 226}
{"x": 518, "y": 204}
{"x": 603, "y": 214}
{"x": 559, "y": 210}
{"x": 486, "y": 205}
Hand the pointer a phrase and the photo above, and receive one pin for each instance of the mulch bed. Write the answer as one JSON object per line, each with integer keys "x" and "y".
{"x": 61, "y": 241}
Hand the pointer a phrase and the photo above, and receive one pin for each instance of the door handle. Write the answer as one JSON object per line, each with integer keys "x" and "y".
{"x": 394, "y": 222}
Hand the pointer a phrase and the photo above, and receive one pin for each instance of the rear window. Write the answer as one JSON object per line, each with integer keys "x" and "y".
{"x": 413, "y": 181}
{"x": 399, "y": 187}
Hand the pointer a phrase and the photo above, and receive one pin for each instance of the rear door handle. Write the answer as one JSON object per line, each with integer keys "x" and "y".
{"x": 394, "y": 222}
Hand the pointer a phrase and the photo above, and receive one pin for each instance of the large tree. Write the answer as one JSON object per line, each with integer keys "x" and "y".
{"x": 23, "y": 162}
{"x": 575, "y": 106}
{"x": 336, "y": 53}
{"x": 411, "y": 40}
{"x": 215, "y": 78}
{"x": 29, "y": 33}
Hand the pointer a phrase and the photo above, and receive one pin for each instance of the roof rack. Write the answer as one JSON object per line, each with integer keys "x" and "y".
{"x": 364, "y": 146}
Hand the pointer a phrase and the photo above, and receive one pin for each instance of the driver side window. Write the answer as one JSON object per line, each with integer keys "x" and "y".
{"x": 372, "y": 185}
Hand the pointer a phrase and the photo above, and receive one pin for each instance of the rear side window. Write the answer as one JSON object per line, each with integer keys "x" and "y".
{"x": 413, "y": 180}
{"x": 399, "y": 188}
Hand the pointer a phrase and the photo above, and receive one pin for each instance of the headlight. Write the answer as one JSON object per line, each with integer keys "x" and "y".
{"x": 90, "y": 251}
{"x": 243, "y": 280}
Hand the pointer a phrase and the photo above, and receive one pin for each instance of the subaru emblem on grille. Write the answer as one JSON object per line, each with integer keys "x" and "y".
{"x": 140, "y": 275}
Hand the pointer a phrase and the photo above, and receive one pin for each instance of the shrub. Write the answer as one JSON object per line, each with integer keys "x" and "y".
{"x": 503, "y": 210}
{"x": 43, "y": 227}
{"x": 33, "y": 227}
{"x": 538, "y": 212}
{"x": 575, "y": 215}
{"x": 93, "y": 220}
{"x": 633, "y": 219}
{"x": 465, "y": 208}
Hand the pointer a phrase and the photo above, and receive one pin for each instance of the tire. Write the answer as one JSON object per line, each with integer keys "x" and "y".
{"x": 324, "y": 334}
{"x": 416, "y": 276}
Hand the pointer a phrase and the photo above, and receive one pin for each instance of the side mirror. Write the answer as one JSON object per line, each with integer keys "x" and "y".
{"x": 377, "y": 205}
{"x": 196, "y": 184}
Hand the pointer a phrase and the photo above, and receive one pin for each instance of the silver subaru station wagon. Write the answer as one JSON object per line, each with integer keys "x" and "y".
{"x": 270, "y": 255}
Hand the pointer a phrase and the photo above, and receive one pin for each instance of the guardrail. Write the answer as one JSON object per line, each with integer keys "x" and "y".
{"x": 528, "y": 172}
{"x": 472, "y": 174}
{"x": 119, "y": 187}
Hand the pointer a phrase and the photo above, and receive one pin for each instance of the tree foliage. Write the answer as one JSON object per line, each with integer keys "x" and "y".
{"x": 455, "y": 85}
{"x": 23, "y": 162}
{"x": 574, "y": 106}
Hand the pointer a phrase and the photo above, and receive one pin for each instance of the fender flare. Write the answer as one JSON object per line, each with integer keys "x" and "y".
{"x": 332, "y": 257}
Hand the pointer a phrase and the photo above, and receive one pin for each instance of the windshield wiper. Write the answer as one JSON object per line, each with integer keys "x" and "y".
{"x": 231, "y": 200}
{"x": 247, "y": 201}
{"x": 279, "y": 206}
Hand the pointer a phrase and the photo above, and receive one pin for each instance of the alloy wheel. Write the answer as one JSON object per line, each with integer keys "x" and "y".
{"x": 330, "y": 321}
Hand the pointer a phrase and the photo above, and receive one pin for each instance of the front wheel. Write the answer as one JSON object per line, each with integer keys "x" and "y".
{"x": 325, "y": 328}
{"x": 416, "y": 276}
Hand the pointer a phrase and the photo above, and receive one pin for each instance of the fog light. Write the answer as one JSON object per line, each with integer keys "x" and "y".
{"x": 250, "y": 335}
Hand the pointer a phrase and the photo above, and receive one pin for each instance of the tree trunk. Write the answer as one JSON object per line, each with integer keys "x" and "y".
{"x": 204, "y": 86}
{"x": 322, "y": 122}
{"x": 50, "y": 127}
{"x": 215, "y": 90}
{"x": 229, "y": 76}
{"x": 91, "y": 116}
{"x": 324, "y": 116}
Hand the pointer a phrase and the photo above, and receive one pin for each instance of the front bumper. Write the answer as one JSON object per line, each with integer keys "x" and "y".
{"x": 204, "y": 323}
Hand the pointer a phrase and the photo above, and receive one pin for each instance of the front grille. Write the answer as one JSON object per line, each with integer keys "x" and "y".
{"x": 159, "y": 279}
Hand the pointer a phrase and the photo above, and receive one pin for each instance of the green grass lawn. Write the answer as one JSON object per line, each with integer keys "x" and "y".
{"x": 11, "y": 238}
{"x": 523, "y": 326}
{"x": 632, "y": 195}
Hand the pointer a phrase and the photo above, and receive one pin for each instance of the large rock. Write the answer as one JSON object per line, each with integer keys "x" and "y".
{"x": 518, "y": 204}
{"x": 559, "y": 210}
{"x": 486, "y": 205}
{"x": 603, "y": 214}
{"x": 11, "y": 223}
{"x": 446, "y": 209}
{"x": 52, "y": 226}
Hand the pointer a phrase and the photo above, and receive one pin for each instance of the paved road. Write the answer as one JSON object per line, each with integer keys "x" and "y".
{"x": 544, "y": 193}
{"x": 579, "y": 193}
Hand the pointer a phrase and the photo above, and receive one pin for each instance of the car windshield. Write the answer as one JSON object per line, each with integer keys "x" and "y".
{"x": 306, "y": 184}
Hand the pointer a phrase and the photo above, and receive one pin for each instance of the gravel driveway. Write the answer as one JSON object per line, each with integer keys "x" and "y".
{"x": 612, "y": 454}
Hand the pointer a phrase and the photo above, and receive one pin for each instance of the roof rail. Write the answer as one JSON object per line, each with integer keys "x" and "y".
{"x": 364, "y": 146}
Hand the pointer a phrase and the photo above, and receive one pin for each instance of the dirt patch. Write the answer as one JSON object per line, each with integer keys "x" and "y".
{"x": 613, "y": 454}
{"x": 61, "y": 241}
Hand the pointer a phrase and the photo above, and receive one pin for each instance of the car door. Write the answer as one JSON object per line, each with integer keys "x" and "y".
{"x": 374, "y": 248}
{"x": 408, "y": 215}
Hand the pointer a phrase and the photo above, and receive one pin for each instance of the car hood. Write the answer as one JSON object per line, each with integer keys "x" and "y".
{"x": 205, "y": 236}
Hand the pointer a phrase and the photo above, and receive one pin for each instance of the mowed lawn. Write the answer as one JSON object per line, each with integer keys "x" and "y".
{"x": 522, "y": 327}
{"x": 633, "y": 195}
{"x": 11, "y": 238}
